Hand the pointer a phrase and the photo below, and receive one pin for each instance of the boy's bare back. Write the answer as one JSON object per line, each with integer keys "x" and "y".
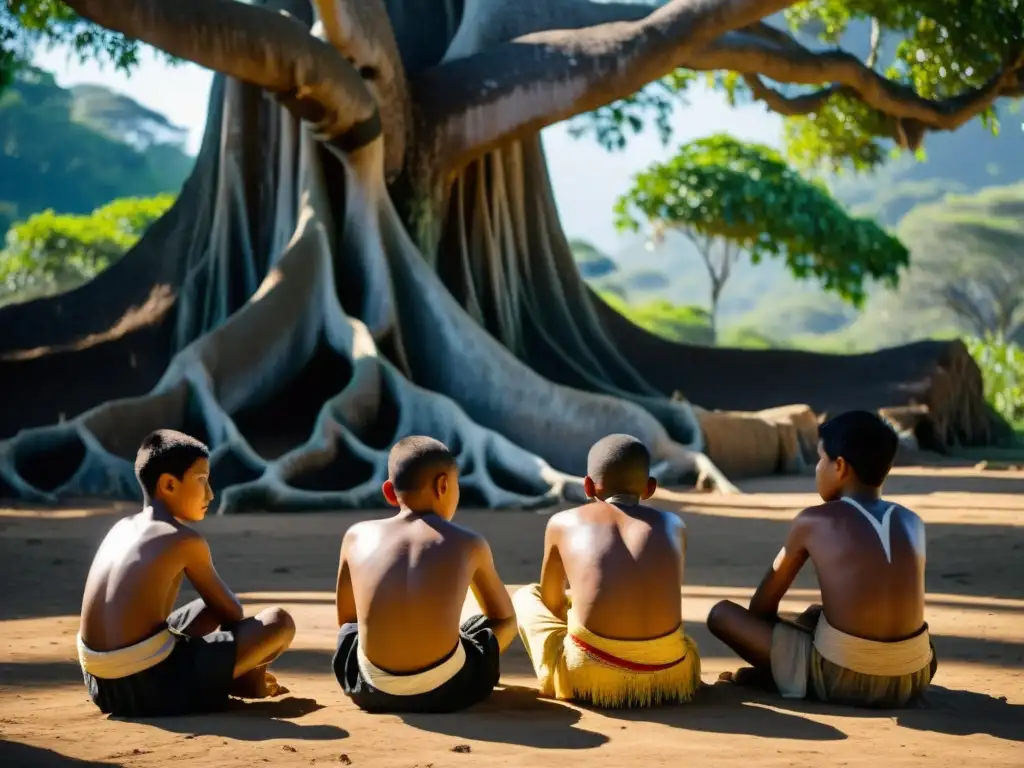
{"x": 866, "y": 591}
{"x": 624, "y": 564}
{"x": 409, "y": 577}
{"x": 134, "y": 580}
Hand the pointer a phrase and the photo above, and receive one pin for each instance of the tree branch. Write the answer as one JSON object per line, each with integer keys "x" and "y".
{"x": 268, "y": 49}
{"x": 475, "y": 103}
{"x": 876, "y": 44}
{"x": 361, "y": 31}
{"x": 793, "y": 63}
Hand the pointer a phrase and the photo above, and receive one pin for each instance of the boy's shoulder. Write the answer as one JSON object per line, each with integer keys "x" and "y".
{"x": 462, "y": 534}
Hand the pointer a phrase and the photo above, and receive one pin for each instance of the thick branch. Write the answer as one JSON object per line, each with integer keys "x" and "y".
{"x": 361, "y": 31}
{"x": 253, "y": 44}
{"x": 803, "y": 104}
{"x": 473, "y": 104}
{"x": 793, "y": 63}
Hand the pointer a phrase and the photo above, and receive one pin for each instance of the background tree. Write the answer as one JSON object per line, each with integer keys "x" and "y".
{"x": 969, "y": 257}
{"x": 732, "y": 198}
{"x": 396, "y": 263}
{"x": 53, "y": 252}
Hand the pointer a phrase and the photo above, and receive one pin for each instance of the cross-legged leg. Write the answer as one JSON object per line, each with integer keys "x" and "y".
{"x": 746, "y": 634}
{"x": 260, "y": 639}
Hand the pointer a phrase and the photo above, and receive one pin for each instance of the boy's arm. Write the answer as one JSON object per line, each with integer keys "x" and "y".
{"x": 681, "y": 531}
{"x": 493, "y": 597}
{"x": 778, "y": 580}
{"x": 208, "y": 583}
{"x": 552, "y": 573}
{"x": 344, "y": 597}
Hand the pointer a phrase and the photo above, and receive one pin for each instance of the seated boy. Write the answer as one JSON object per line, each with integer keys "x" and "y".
{"x": 619, "y": 642}
{"x": 402, "y": 583}
{"x": 868, "y": 645}
{"x": 138, "y": 658}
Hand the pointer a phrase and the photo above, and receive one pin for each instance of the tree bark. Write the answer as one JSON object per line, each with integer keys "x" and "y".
{"x": 282, "y": 313}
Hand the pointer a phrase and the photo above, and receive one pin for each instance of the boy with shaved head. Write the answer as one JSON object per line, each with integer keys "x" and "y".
{"x": 619, "y": 640}
{"x": 868, "y": 645}
{"x": 402, "y": 583}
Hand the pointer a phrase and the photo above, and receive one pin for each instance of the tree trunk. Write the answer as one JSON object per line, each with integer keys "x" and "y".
{"x": 282, "y": 313}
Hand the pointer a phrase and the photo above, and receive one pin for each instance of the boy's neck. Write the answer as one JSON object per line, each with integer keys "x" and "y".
{"x": 405, "y": 511}
{"x": 861, "y": 492}
{"x": 622, "y": 499}
{"x": 160, "y": 511}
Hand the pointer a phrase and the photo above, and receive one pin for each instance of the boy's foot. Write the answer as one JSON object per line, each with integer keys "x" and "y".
{"x": 749, "y": 677}
{"x": 258, "y": 684}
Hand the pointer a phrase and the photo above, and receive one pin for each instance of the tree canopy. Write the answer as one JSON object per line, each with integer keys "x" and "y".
{"x": 884, "y": 74}
{"x": 730, "y": 197}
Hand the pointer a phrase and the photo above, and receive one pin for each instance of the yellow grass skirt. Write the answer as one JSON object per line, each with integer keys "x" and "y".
{"x": 573, "y": 663}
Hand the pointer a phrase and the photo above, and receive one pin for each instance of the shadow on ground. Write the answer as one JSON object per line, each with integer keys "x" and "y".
{"x": 943, "y": 710}
{"x": 514, "y": 715}
{"x": 730, "y": 709}
{"x": 940, "y": 710}
{"x": 237, "y": 723}
{"x": 15, "y": 754}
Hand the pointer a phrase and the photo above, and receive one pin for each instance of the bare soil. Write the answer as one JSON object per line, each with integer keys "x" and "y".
{"x": 975, "y": 711}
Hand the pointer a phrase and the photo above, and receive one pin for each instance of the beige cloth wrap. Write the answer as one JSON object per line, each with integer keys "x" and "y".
{"x": 415, "y": 684}
{"x": 572, "y": 663}
{"x": 842, "y": 668}
{"x": 113, "y": 665}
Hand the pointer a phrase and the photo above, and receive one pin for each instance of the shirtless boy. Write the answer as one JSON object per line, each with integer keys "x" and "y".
{"x": 868, "y": 645}
{"x": 619, "y": 640}
{"x": 402, "y": 583}
{"x": 138, "y": 658}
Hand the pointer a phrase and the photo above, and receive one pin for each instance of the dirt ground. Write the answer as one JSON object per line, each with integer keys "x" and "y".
{"x": 975, "y": 712}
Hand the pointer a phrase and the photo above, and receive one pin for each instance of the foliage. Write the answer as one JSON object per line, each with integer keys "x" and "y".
{"x": 25, "y": 24}
{"x": 50, "y": 160}
{"x": 665, "y": 319}
{"x": 939, "y": 48}
{"x": 721, "y": 188}
{"x": 52, "y": 252}
{"x": 1002, "y": 370}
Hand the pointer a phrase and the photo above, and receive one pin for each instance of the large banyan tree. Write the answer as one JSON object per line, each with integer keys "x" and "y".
{"x": 368, "y": 247}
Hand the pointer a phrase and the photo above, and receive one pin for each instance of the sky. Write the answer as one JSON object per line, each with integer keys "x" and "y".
{"x": 587, "y": 178}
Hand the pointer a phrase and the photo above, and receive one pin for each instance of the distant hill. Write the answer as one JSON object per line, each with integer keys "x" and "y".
{"x": 74, "y": 150}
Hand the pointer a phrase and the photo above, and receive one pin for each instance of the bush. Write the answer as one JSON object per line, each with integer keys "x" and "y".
{"x": 682, "y": 323}
{"x": 1002, "y": 370}
{"x": 53, "y": 252}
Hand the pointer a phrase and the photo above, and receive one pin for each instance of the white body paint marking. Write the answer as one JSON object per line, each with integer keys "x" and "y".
{"x": 881, "y": 528}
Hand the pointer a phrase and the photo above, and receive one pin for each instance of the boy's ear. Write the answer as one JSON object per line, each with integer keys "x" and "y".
{"x": 441, "y": 485}
{"x": 388, "y": 489}
{"x": 652, "y": 486}
{"x": 589, "y": 487}
{"x": 167, "y": 484}
{"x": 842, "y": 468}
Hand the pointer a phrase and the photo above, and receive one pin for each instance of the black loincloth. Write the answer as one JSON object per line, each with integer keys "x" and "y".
{"x": 194, "y": 679}
{"x": 470, "y": 685}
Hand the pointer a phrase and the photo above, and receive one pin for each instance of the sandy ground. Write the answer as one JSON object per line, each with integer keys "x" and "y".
{"x": 975, "y": 711}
